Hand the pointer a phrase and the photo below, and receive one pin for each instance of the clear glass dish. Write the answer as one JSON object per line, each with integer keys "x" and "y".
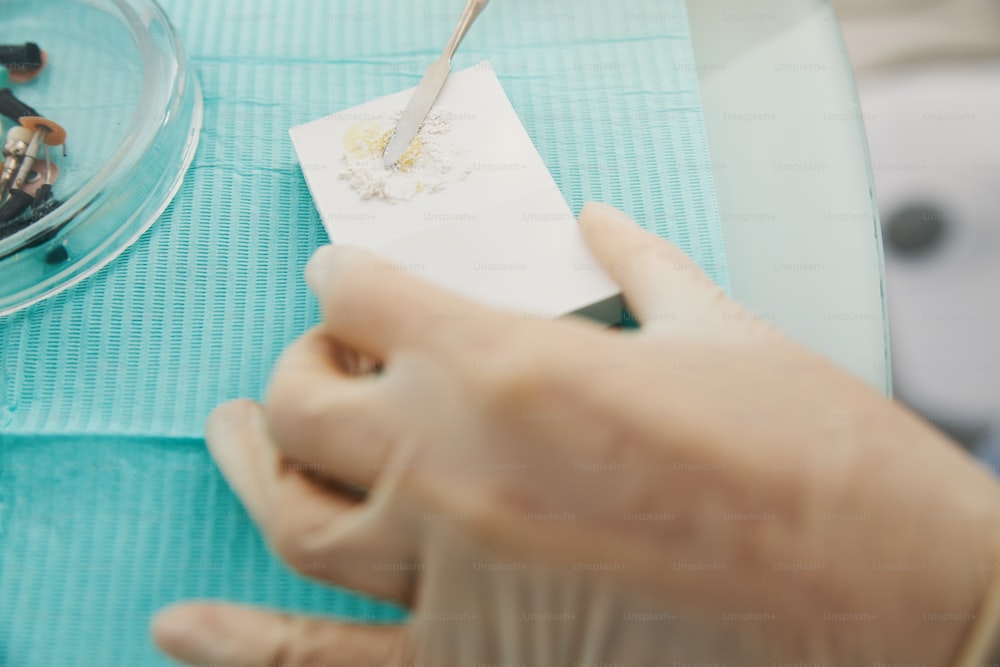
{"x": 118, "y": 81}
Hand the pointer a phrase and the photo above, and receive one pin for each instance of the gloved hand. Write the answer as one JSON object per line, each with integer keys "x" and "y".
{"x": 554, "y": 493}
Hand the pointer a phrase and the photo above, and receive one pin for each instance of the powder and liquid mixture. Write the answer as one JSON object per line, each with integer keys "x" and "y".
{"x": 427, "y": 166}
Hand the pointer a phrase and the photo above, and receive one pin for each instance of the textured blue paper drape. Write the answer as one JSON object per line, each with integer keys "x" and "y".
{"x": 109, "y": 504}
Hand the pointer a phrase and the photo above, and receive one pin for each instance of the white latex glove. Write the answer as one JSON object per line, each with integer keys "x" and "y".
{"x": 553, "y": 493}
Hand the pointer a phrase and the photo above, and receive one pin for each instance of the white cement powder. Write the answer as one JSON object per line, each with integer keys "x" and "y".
{"x": 430, "y": 164}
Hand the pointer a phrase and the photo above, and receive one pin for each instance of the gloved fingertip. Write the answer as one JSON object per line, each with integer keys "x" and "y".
{"x": 598, "y": 215}
{"x": 181, "y": 632}
{"x": 319, "y": 266}
{"x": 236, "y": 411}
{"x": 326, "y": 260}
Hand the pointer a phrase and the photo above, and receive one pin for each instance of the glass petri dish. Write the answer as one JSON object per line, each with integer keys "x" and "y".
{"x": 118, "y": 82}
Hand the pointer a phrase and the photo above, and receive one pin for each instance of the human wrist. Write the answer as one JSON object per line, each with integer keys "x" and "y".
{"x": 979, "y": 643}
{"x": 981, "y": 646}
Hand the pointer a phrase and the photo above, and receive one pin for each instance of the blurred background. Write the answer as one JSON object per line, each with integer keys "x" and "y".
{"x": 929, "y": 80}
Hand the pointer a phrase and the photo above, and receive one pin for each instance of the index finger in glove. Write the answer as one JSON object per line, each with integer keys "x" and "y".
{"x": 375, "y": 306}
{"x": 321, "y": 413}
{"x": 318, "y": 530}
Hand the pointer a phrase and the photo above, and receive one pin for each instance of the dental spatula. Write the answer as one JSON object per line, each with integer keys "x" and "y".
{"x": 429, "y": 88}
